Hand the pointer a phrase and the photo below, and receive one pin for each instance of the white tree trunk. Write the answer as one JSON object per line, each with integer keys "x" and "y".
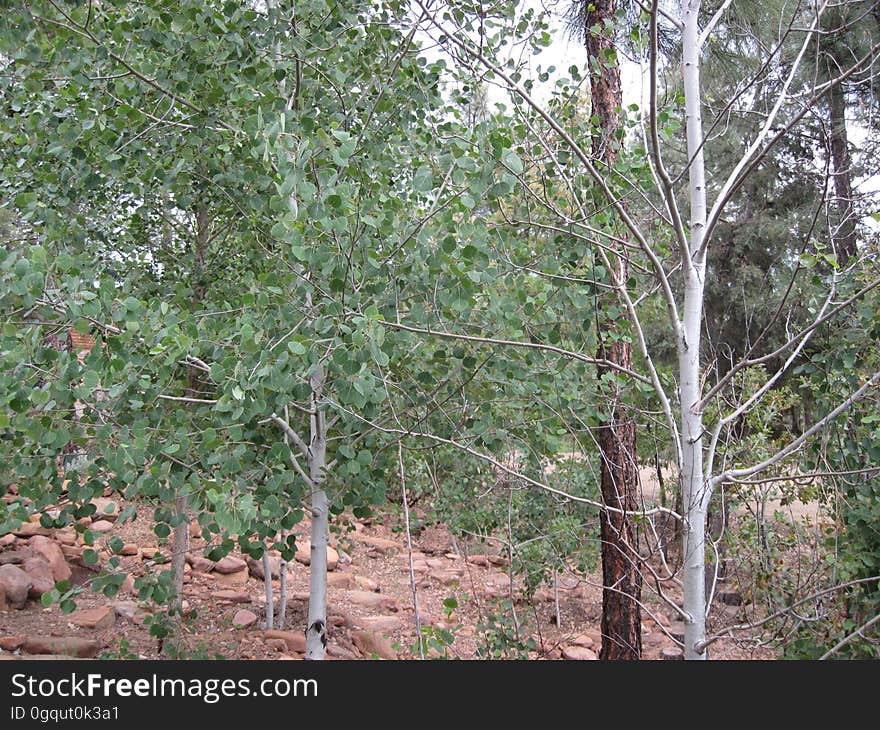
{"x": 267, "y": 580}
{"x": 282, "y": 609}
{"x": 695, "y": 495}
{"x": 316, "y": 632}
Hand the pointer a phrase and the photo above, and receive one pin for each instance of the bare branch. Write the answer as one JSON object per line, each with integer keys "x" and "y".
{"x": 187, "y": 399}
{"x": 798, "y": 442}
{"x": 665, "y": 182}
{"x": 728, "y": 632}
{"x": 710, "y": 26}
{"x": 845, "y": 640}
{"x": 507, "y": 469}
{"x": 289, "y": 432}
{"x": 782, "y": 348}
{"x": 513, "y": 343}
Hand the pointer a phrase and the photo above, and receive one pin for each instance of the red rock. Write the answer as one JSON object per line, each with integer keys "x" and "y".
{"x": 232, "y": 596}
{"x": 334, "y": 651}
{"x": 497, "y": 560}
{"x": 332, "y": 558}
{"x": 11, "y": 643}
{"x": 256, "y": 566}
{"x": 125, "y": 609}
{"x": 277, "y": 644}
{"x": 66, "y": 536}
{"x": 368, "y": 599}
{"x": 7, "y": 539}
{"x": 340, "y": 580}
{"x": 230, "y": 564}
{"x": 672, "y": 653}
{"x": 97, "y": 619}
{"x": 492, "y": 591}
{"x": 72, "y": 552}
{"x": 68, "y": 645}
{"x": 29, "y": 529}
{"x": 16, "y": 557}
{"x": 583, "y": 640}
{"x": 239, "y": 578}
{"x": 366, "y": 584}
{"x": 304, "y": 555}
{"x": 382, "y": 624}
{"x": 480, "y": 560}
{"x": 294, "y": 640}
{"x": 379, "y": 543}
{"x": 40, "y": 573}
{"x": 129, "y": 611}
{"x": 244, "y": 618}
{"x": 101, "y": 526}
{"x": 579, "y": 653}
{"x": 53, "y": 555}
{"x": 199, "y": 563}
{"x": 593, "y": 634}
{"x": 371, "y": 645}
{"x": 499, "y": 580}
{"x": 130, "y": 549}
{"x": 150, "y": 553}
{"x": 446, "y": 576}
{"x": 108, "y": 510}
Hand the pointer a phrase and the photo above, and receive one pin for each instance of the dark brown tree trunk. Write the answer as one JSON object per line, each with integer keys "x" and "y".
{"x": 621, "y": 577}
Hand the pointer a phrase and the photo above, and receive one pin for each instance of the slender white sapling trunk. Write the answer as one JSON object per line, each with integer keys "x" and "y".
{"x": 267, "y": 581}
{"x": 282, "y": 609}
{"x": 316, "y": 631}
{"x": 695, "y": 494}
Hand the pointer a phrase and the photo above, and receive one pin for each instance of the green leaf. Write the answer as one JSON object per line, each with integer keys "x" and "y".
{"x": 513, "y": 162}
{"x": 91, "y": 379}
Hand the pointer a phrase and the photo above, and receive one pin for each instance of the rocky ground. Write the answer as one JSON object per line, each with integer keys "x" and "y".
{"x": 370, "y": 600}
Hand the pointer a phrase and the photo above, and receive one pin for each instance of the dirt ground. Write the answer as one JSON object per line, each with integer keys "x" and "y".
{"x": 370, "y": 603}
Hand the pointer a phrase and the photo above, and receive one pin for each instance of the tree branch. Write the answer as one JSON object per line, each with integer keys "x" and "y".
{"x": 289, "y": 432}
{"x": 730, "y": 474}
{"x": 513, "y": 343}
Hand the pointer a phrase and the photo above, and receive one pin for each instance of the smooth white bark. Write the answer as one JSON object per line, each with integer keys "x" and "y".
{"x": 267, "y": 581}
{"x": 695, "y": 495}
{"x": 282, "y": 608}
{"x": 316, "y": 631}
